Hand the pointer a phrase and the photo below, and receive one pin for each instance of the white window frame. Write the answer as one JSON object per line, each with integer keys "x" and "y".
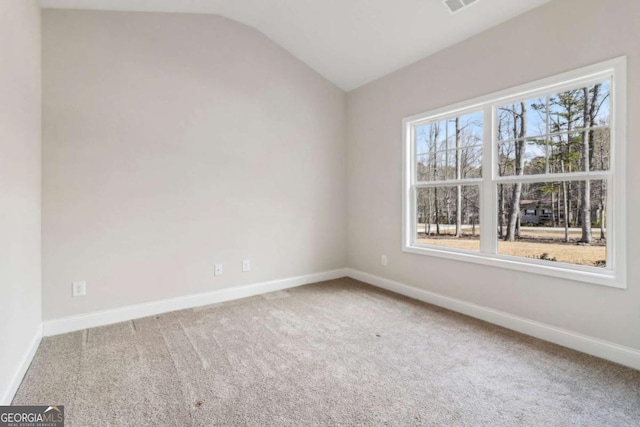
{"x": 614, "y": 274}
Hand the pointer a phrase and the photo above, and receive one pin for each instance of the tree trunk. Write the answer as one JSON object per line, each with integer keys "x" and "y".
{"x": 427, "y": 226}
{"x": 566, "y": 206}
{"x": 586, "y": 185}
{"x": 500, "y": 195}
{"x": 458, "y": 176}
{"x": 603, "y": 210}
{"x": 473, "y": 226}
{"x": 521, "y": 145}
{"x": 553, "y": 210}
{"x": 569, "y": 204}
{"x": 447, "y": 201}
{"x": 435, "y": 190}
{"x": 435, "y": 131}
{"x": 603, "y": 204}
{"x": 501, "y": 210}
{"x": 593, "y": 112}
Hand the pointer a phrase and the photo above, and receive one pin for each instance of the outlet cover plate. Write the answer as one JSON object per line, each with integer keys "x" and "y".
{"x": 79, "y": 289}
{"x": 217, "y": 270}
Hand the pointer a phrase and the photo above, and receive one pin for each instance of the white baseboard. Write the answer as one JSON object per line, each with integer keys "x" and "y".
{"x": 607, "y": 350}
{"x": 107, "y": 317}
{"x": 11, "y": 390}
{"x": 596, "y": 347}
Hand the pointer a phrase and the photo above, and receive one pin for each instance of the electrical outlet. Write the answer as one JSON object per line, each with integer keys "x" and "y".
{"x": 383, "y": 260}
{"x": 79, "y": 289}
{"x": 217, "y": 270}
{"x": 246, "y": 265}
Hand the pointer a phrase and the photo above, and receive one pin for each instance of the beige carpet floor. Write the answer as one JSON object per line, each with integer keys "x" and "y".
{"x": 337, "y": 353}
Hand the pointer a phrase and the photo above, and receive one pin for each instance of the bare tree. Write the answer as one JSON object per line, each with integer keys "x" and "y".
{"x": 458, "y": 176}
{"x": 565, "y": 205}
{"x": 521, "y": 145}
{"x": 448, "y": 204}
{"x": 569, "y": 109}
{"x": 433, "y": 136}
{"x": 601, "y": 143}
{"x": 504, "y": 154}
{"x": 586, "y": 164}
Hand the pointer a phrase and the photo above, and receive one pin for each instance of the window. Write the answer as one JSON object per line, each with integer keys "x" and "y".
{"x": 531, "y": 178}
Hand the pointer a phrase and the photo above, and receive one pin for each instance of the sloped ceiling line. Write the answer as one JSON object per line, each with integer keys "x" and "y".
{"x": 349, "y": 42}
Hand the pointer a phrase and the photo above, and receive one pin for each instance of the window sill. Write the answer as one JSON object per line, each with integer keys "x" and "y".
{"x": 592, "y": 275}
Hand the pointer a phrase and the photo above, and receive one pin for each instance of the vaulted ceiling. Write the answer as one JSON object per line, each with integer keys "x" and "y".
{"x": 350, "y": 42}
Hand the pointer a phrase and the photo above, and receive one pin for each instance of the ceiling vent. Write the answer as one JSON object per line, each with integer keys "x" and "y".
{"x": 456, "y": 5}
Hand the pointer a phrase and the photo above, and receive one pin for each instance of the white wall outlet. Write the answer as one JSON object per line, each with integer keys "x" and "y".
{"x": 217, "y": 270}
{"x": 79, "y": 289}
{"x": 383, "y": 260}
{"x": 246, "y": 265}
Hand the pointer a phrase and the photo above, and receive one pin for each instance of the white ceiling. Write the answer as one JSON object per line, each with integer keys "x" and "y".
{"x": 350, "y": 42}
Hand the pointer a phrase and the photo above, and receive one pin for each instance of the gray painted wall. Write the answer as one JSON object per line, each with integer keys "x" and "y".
{"x": 175, "y": 141}
{"x": 20, "y": 304}
{"x": 559, "y": 36}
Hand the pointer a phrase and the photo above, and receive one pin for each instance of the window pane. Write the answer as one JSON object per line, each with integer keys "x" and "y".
{"x": 580, "y": 108}
{"x": 565, "y": 153}
{"x": 524, "y": 119}
{"x": 438, "y": 221}
{"x": 535, "y": 156}
{"x": 569, "y": 153}
{"x": 601, "y": 98}
{"x": 471, "y": 158}
{"x": 509, "y": 122}
{"x": 548, "y": 133}
{"x": 430, "y": 137}
{"x": 536, "y": 117}
{"x": 523, "y": 157}
{"x": 601, "y": 149}
{"x": 451, "y": 133}
{"x": 432, "y": 167}
{"x": 566, "y": 111}
{"x": 506, "y": 158}
{"x": 545, "y": 224}
{"x": 423, "y": 168}
{"x": 450, "y": 161}
{"x": 471, "y": 128}
{"x": 449, "y": 149}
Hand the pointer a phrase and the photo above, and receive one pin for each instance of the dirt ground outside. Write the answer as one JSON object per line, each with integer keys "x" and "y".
{"x": 533, "y": 244}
